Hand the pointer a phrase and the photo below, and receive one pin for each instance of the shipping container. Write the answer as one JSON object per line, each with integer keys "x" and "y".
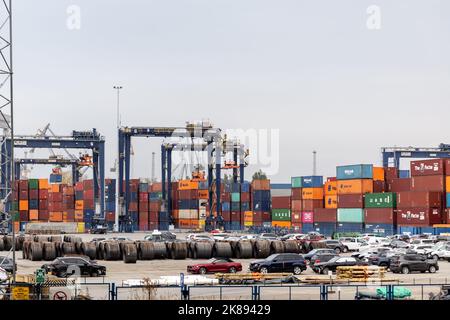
{"x": 352, "y": 172}
{"x": 261, "y": 185}
{"x": 419, "y": 199}
{"x": 398, "y": 185}
{"x": 404, "y": 174}
{"x": 296, "y": 205}
{"x": 350, "y": 201}
{"x": 380, "y": 200}
{"x": 418, "y": 216}
{"x": 296, "y": 217}
{"x": 428, "y": 183}
{"x": 281, "y": 214}
{"x": 354, "y": 186}
{"x": 379, "y": 186}
{"x": 378, "y": 174}
{"x": 281, "y": 224}
{"x": 325, "y": 228}
{"x": 312, "y": 193}
{"x": 310, "y": 205}
{"x": 350, "y": 227}
{"x": 354, "y": 215}
{"x": 325, "y": 215}
{"x": 383, "y": 230}
{"x": 307, "y": 217}
{"x": 331, "y": 201}
{"x": 296, "y": 194}
{"x": 312, "y": 182}
{"x": 391, "y": 173}
{"x": 307, "y": 227}
{"x": 380, "y": 215}
{"x": 281, "y": 202}
{"x": 296, "y": 182}
{"x": 428, "y": 167}
{"x": 330, "y": 188}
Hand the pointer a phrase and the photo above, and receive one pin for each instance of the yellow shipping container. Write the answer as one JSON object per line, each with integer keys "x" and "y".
{"x": 330, "y": 188}
{"x": 312, "y": 193}
{"x": 331, "y": 202}
{"x": 281, "y": 224}
{"x": 248, "y": 223}
{"x": 187, "y": 185}
{"x": 80, "y": 227}
{"x": 248, "y": 216}
{"x": 378, "y": 173}
{"x": 359, "y": 186}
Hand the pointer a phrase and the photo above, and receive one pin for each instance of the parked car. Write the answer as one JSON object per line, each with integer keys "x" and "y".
{"x": 220, "y": 236}
{"x": 61, "y": 267}
{"x": 7, "y": 264}
{"x": 291, "y": 236}
{"x": 199, "y": 237}
{"x": 364, "y": 255}
{"x": 249, "y": 237}
{"x": 422, "y": 242}
{"x": 331, "y": 265}
{"x": 313, "y": 252}
{"x": 383, "y": 259}
{"x": 224, "y": 265}
{"x": 399, "y": 244}
{"x": 421, "y": 249}
{"x": 440, "y": 252}
{"x": 352, "y": 244}
{"x": 159, "y": 236}
{"x": 321, "y": 257}
{"x": 411, "y": 262}
{"x": 336, "y": 245}
{"x": 99, "y": 229}
{"x": 268, "y": 236}
{"x": 281, "y": 262}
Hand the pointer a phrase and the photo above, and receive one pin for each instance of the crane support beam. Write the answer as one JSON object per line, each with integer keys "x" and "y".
{"x": 395, "y": 154}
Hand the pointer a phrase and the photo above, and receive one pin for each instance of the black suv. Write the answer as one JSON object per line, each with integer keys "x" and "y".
{"x": 313, "y": 252}
{"x": 331, "y": 265}
{"x": 281, "y": 262}
{"x": 413, "y": 262}
{"x": 336, "y": 245}
{"x": 320, "y": 258}
{"x": 66, "y": 266}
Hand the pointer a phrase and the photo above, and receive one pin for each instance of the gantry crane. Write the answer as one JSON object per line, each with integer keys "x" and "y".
{"x": 395, "y": 154}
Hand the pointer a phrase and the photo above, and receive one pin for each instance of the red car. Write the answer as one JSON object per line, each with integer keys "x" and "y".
{"x": 224, "y": 265}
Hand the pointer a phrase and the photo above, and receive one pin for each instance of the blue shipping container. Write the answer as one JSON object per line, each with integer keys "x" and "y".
{"x": 408, "y": 230}
{"x": 448, "y": 199}
{"x": 110, "y": 206}
{"x": 55, "y": 178}
{"x": 381, "y": 229}
{"x": 163, "y": 225}
{"x": 350, "y": 227}
{"x": 325, "y": 228}
{"x": 245, "y": 187}
{"x": 226, "y": 206}
{"x": 33, "y": 205}
{"x": 261, "y": 205}
{"x": 404, "y": 174}
{"x": 233, "y": 225}
{"x": 235, "y": 187}
{"x": 307, "y": 227}
{"x": 203, "y": 185}
{"x": 261, "y": 195}
{"x": 245, "y": 206}
{"x": 235, "y": 206}
{"x": 187, "y": 204}
{"x": 163, "y": 216}
{"x": 312, "y": 182}
{"x": 358, "y": 171}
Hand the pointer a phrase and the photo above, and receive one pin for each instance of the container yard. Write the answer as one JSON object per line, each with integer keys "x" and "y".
{"x": 215, "y": 158}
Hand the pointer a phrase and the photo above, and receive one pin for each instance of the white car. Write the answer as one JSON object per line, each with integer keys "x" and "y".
{"x": 249, "y": 237}
{"x": 365, "y": 254}
{"x": 422, "y": 242}
{"x": 220, "y": 236}
{"x": 352, "y": 244}
{"x": 440, "y": 252}
{"x": 421, "y": 248}
{"x": 199, "y": 237}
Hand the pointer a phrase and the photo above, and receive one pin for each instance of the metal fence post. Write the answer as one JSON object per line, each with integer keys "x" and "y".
{"x": 112, "y": 293}
{"x": 323, "y": 292}
{"x": 390, "y": 292}
{"x": 255, "y": 293}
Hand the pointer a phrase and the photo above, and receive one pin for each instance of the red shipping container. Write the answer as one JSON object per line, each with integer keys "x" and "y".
{"x": 446, "y": 215}
{"x": 308, "y": 217}
{"x": 296, "y": 226}
{"x": 380, "y": 215}
{"x": 33, "y": 194}
{"x": 296, "y": 194}
{"x": 88, "y": 204}
{"x": 428, "y": 183}
{"x": 153, "y": 216}
{"x": 23, "y": 184}
{"x": 88, "y": 184}
{"x": 143, "y": 217}
{"x": 79, "y": 186}
{"x": 143, "y": 206}
{"x": 69, "y": 215}
{"x": 418, "y": 217}
{"x": 226, "y": 215}
{"x": 43, "y": 194}
{"x": 245, "y": 197}
{"x": 88, "y": 194}
{"x": 310, "y": 205}
{"x": 325, "y": 215}
{"x": 155, "y": 206}
{"x": 266, "y": 216}
{"x": 257, "y": 217}
{"x": 331, "y": 179}
{"x": 296, "y": 205}
{"x": 55, "y": 197}
{"x": 399, "y": 185}
{"x": 156, "y": 187}
{"x": 110, "y": 217}
{"x": 225, "y": 197}
{"x": 428, "y": 167}
{"x": 143, "y": 196}
{"x": 69, "y": 191}
{"x": 390, "y": 173}
{"x": 419, "y": 199}
{"x": 379, "y": 186}
{"x": 350, "y": 201}
{"x": 55, "y": 206}
{"x": 153, "y": 226}
{"x": 296, "y": 217}
{"x": 235, "y": 216}
{"x": 133, "y": 206}
{"x": 23, "y": 215}
{"x": 187, "y": 194}
{"x": 43, "y": 215}
{"x": 281, "y": 202}
{"x": 43, "y": 205}
{"x": 23, "y": 195}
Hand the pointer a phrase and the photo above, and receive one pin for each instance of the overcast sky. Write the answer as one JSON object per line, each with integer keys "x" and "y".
{"x": 312, "y": 69}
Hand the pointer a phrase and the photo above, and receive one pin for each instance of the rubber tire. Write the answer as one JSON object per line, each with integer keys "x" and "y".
{"x": 337, "y": 250}
{"x": 436, "y": 257}
{"x": 345, "y": 250}
{"x": 129, "y": 253}
{"x": 325, "y": 271}
{"x": 405, "y": 270}
{"x": 202, "y": 271}
{"x": 232, "y": 270}
{"x": 264, "y": 270}
{"x": 432, "y": 269}
{"x": 297, "y": 271}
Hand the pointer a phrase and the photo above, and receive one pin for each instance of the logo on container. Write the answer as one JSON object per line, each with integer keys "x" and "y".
{"x": 349, "y": 172}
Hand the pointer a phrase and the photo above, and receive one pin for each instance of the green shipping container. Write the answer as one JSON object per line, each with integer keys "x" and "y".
{"x": 235, "y": 197}
{"x": 350, "y": 215}
{"x": 380, "y": 200}
{"x": 296, "y": 182}
{"x": 15, "y": 205}
{"x": 281, "y": 215}
{"x": 33, "y": 184}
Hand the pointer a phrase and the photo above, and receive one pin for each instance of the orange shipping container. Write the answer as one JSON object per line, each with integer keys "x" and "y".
{"x": 330, "y": 188}
{"x": 248, "y": 216}
{"x": 312, "y": 193}
{"x": 79, "y": 216}
{"x": 359, "y": 186}
{"x": 203, "y": 194}
{"x": 281, "y": 224}
{"x": 34, "y": 215}
{"x": 23, "y": 205}
{"x": 187, "y": 185}
{"x": 261, "y": 184}
{"x": 55, "y": 187}
{"x": 378, "y": 173}
{"x": 16, "y": 226}
{"x": 187, "y": 223}
{"x": 43, "y": 184}
{"x": 56, "y": 216}
{"x": 330, "y": 202}
{"x": 447, "y": 183}
{"x": 79, "y": 205}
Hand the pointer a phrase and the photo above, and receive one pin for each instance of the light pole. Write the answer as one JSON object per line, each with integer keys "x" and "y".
{"x": 118, "y": 210}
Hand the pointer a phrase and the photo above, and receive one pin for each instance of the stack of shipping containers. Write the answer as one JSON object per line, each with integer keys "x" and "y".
{"x": 296, "y": 203}
{"x": 186, "y": 205}
{"x": 68, "y": 203}
{"x": 325, "y": 219}
{"x": 143, "y": 206}
{"x": 421, "y": 207}
{"x": 261, "y": 203}
{"x": 88, "y": 203}
{"x": 281, "y": 205}
{"x": 155, "y": 203}
{"x": 110, "y": 202}
{"x": 353, "y": 181}
{"x": 246, "y": 210}
{"x": 312, "y": 198}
